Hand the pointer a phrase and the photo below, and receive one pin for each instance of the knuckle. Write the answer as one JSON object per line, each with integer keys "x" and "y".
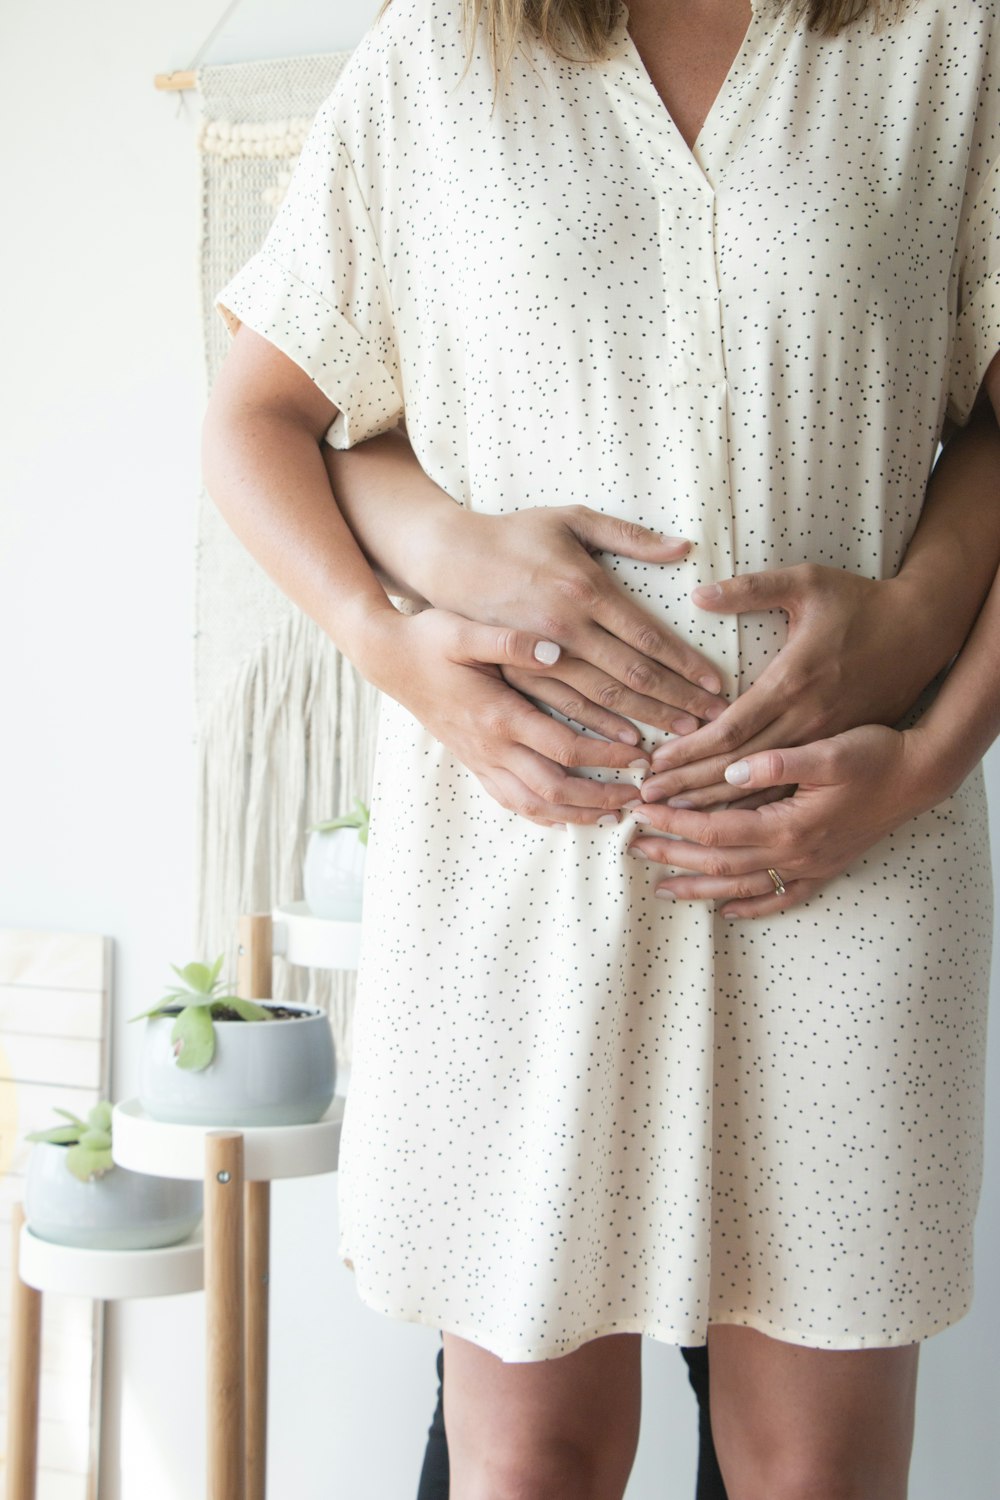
{"x": 717, "y": 867}
{"x": 745, "y": 891}
{"x": 553, "y": 627}
{"x": 612, "y": 695}
{"x": 577, "y": 590}
{"x": 640, "y": 677}
{"x": 573, "y": 708}
{"x": 563, "y": 753}
{"x": 729, "y": 737}
{"x": 631, "y": 532}
{"x": 648, "y": 640}
{"x": 496, "y": 725}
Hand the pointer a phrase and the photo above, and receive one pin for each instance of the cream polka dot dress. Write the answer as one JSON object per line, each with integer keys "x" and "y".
{"x": 577, "y": 1110}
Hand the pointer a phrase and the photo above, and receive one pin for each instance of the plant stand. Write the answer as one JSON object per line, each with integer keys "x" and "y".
{"x": 238, "y": 1167}
{"x": 41, "y": 1266}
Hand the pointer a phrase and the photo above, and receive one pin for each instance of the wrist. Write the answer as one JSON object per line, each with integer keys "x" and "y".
{"x": 445, "y": 547}
{"x": 935, "y": 618}
{"x": 933, "y": 767}
{"x": 373, "y": 644}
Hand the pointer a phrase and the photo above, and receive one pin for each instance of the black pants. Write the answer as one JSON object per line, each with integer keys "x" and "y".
{"x": 434, "y": 1474}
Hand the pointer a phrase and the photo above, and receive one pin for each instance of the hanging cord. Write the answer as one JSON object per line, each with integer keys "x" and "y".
{"x": 233, "y": 6}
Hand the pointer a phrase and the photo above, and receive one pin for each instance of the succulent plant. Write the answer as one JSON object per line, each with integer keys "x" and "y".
{"x": 89, "y": 1141}
{"x": 196, "y": 1000}
{"x": 357, "y": 818}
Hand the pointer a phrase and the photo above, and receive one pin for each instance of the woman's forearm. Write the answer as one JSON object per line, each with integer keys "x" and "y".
{"x": 265, "y": 473}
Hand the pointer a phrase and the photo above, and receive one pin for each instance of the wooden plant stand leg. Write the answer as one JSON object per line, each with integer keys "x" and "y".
{"x": 224, "y": 1303}
{"x": 258, "y": 1274}
{"x": 25, "y": 1369}
{"x": 254, "y": 975}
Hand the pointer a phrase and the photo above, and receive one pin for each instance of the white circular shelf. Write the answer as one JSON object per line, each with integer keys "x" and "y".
{"x": 314, "y": 942}
{"x": 269, "y": 1151}
{"x": 110, "y": 1274}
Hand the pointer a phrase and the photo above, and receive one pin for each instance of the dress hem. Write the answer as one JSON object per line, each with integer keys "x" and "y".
{"x": 510, "y": 1355}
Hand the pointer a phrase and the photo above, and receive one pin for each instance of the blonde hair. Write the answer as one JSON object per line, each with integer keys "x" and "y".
{"x": 588, "y": 25}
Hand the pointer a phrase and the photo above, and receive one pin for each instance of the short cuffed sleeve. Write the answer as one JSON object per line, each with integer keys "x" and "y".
{"x": 977, "y": 332}
{"x": 317, "y": 291}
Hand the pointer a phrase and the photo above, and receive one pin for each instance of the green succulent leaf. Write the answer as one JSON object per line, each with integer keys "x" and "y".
{"x": 100, "y": 1116}
{"x": 198, "y": 977}
{"x": 68, "y": 1114}
{"x": 357, "y": 818}
{"x": 193, "y": 1036}
{"x": 248, "y": 1009}
{"x": 58, "y": 1135}
{"x": 96, "y": 1140}
{"x": 86, "y": 1164}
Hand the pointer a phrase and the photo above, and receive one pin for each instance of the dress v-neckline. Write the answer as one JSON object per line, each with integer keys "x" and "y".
{"x": 693, "y": 152}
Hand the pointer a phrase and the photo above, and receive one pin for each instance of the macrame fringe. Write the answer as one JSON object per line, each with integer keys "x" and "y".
{"x": 271, "y": 140}
{"x": 292, "y": 742}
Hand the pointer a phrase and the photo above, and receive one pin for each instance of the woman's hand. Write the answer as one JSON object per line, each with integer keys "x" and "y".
{"x": 447, "y": 671}
{"x": 534, "y": 569}
{"x": 531, "y": 570}
{"x": 851, "y": 791}
{"x": 858, "y": 652}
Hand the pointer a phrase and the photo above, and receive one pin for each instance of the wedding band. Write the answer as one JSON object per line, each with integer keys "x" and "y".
{"x": 779, "y": 884}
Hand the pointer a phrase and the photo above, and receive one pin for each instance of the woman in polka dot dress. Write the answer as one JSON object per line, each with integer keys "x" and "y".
{"x": 732, "y": 274}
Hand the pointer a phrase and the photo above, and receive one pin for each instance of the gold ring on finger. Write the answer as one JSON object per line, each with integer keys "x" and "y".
{"x": 779, "y": 884}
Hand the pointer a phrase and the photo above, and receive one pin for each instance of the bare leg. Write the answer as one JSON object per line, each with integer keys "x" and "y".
{"x": 810, "y": 1424}
{"x": 554, "y": 1429}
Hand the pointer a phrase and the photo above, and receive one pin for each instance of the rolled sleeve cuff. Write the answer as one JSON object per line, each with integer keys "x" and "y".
{"x": 321, "y": 341}
{"x": 977, "y": 341}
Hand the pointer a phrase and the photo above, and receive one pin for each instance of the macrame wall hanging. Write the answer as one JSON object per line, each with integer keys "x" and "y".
{"x": 285, "y": 726}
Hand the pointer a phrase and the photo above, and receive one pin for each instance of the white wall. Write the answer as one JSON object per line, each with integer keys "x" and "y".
{"x": 101, "y": 402}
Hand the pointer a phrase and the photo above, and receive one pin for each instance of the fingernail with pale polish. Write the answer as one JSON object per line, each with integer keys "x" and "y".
{"x": 635, "y": 852}
{"x": 715, "y": 711}
{"x": 664, "y": 895}
{"x": 711, "y": 684}
{"x": 638, "y": 765}
{"x": 641, "y": 817}
{"x": 738, "y": 773}
{"x": 609, "y": 820}
{"x": 679, "y": 802}
{"x": 706, "y": 593}
{"x": 547, "y": 652}
{"x": 674, "y": 541}
{"x": 685, "y": 724}
{"x": 628, "y": 737}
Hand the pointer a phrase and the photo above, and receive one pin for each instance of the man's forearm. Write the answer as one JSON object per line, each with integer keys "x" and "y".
{"x": 395, "y": 510}
{"x": 954, "y": 553}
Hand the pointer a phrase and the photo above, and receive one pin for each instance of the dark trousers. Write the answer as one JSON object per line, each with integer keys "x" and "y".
{"x": 434, "y": 1474}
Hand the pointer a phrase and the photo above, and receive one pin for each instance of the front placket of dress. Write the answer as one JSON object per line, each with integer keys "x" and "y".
{"x": 686, "y": 182}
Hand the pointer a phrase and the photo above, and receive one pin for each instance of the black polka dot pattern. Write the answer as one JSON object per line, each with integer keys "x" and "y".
{"x": 575, "y": 1109}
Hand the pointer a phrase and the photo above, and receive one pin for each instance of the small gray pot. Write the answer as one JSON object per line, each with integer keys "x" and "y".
{"x": 263, "y": 1073}
{"x": 121, "y": 1210}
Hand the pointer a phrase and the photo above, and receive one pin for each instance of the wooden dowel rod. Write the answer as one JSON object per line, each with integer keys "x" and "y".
{"x": 258, "y": 1261}
{"x": 184, "y": 78}
{"x": 256, "y": 947}
{"x": 25, "y": 1368}
{"x": 224, "y": 1300}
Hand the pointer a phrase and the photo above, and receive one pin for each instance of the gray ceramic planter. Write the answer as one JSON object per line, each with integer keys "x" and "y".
{"x": 263, "y": 1073}
{"x": 121, "y": 1210}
